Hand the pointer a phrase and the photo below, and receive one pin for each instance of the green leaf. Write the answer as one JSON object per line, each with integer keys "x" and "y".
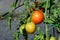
{"x": 59, "y": 38}
{"x": 36, "y": 37}
{"x": 58, "y": 29}
{"x": 15, "y": 3}
{"x": 15, "y": 34}
{"x": 40, "y": 35}
{"x": 48, "y": 21}
{"x": 9, "y": 22}
{"x": 55, "y": 25}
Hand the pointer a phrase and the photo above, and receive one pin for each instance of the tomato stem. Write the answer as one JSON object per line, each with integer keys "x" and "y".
{"x": 27, "y": 7}
{"x": 47, "y": 37}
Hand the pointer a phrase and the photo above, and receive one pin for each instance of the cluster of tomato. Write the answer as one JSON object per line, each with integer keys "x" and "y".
{"x": 36, "y": 18}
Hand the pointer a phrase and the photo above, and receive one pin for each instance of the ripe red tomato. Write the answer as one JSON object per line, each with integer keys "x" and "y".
{"x": 37, "y": 17}
{"x": 30, "y": 27}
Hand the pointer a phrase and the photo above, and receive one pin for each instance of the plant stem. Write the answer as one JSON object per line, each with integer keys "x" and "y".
{"x": 35, "y": 0}
{"x": 9, "y": 22}
{"x": 18, "y": 7}
{"x": 27, "y": 4}
{"x": 47, "y": 38}
{"x": 12, "y": 10}
{"x": 27, "y": 7}
{"x": 53, "y": 31}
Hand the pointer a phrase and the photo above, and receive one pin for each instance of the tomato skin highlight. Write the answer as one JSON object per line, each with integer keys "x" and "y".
{"x": 30, "y": 27}
{"x": 37, "y": 17}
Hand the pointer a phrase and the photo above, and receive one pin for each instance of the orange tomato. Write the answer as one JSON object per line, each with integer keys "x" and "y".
{"x": 37, "y": 17}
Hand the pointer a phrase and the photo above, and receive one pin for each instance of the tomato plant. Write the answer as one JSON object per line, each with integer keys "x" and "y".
{"x": 30, "y": 27}
{"x": 28, "y": 18}
{"x": 37, "y": 17}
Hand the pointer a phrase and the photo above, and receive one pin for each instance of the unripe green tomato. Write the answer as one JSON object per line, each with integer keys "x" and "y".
{"x": 21, "y": 28}
{"x": 52, "y": 38}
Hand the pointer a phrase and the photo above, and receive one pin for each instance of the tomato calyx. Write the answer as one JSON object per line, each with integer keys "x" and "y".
{"x": 42, "y": 9}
